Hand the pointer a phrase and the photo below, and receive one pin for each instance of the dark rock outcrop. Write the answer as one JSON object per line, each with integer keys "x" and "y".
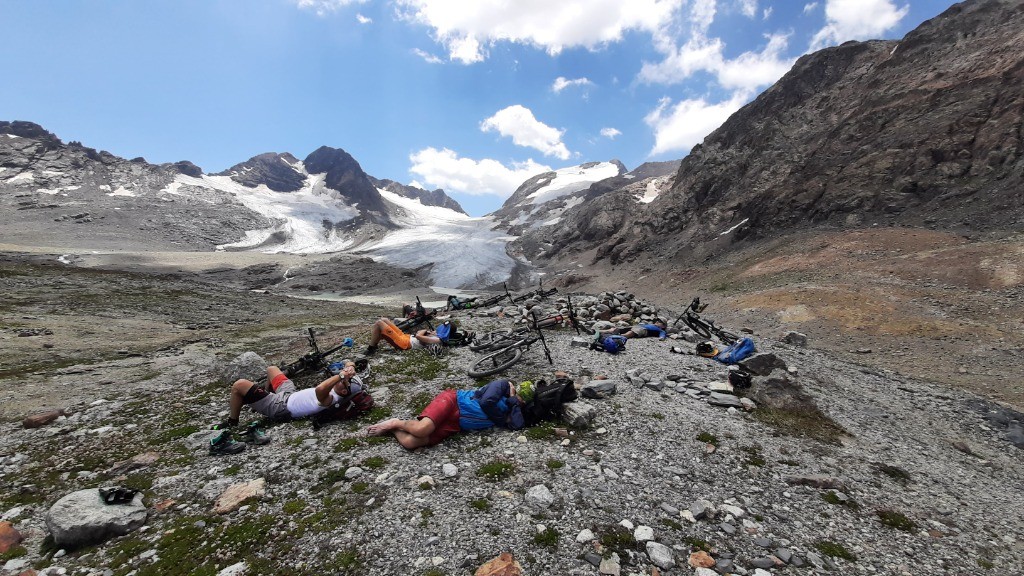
{"x": 924, "y": 131}
{"x": 275, "y": 171}
{"x": 346, "y": 176}
{"x": 427, "y": 198}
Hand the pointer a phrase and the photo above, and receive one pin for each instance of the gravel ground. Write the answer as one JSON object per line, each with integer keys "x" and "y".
{"x": 935, "y": 461}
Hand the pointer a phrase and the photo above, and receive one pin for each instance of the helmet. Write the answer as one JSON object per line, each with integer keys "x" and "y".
{"x": 707, "y": 349}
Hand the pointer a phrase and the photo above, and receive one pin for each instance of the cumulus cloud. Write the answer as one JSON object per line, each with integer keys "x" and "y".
{"x": 325, "y": 7}
{"x": 364, "y": 19}
{"x": 752, "y": 70}
{"x": 682, "y": 125}
{"x": 467, "y": 29}
{"x": 857, "y": 20}
{"x": 561, "y": 83}
{"x": 427, "y": 56}
{"x": 445, "y": 169}
{"x": 610, "y": 133}
{"x": 808, "y": 8}
{"x": 748, "y": 71}
{"x": 749, "y": 8}
{"x": 518, "y": 123}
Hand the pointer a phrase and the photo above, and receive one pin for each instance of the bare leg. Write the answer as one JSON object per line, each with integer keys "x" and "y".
{"x": 409, "y": 433}
{"x": 272, "y": 372}
{"x": 238, "y": 391}
{"x": 408, "y": 441}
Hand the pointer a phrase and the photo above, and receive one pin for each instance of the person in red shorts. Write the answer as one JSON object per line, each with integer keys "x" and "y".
{"x": 451, "y": 411}
{"x": 385, "y": 329}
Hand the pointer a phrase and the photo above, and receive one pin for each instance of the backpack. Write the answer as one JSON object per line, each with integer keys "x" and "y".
{"x": 610, "y": 343}
{"x": 448, "y": 332}
{"x": 738, "y": 351}
{"x": 548, "y": 399}
{"x": 348, "y": 407}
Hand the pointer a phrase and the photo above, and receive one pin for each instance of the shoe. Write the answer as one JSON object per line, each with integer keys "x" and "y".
{"x": 222, "y": 444}
{"x": 117, "y": 495}
{"x": 225, "y": 425}
{"x": 370, "y": 350}
{"x": 253, "y": 434}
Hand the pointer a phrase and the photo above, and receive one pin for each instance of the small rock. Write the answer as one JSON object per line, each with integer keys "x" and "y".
{"x": 720, "y": 399}
{"x": 236, "y": 569}
{"x": 727, "y": 528}
{"x": 426, "y": 481}
{"x": 539, "y": 497}
{"x": 585, "y": 535}
{"x": 41, "y": 419}
{"x": 701, "y": 559}
{"x": 669, "y": 509}
{"x": 660, "y": 555}
{"x": 626, "y": 524}
{"x": 503, "y": 565}
{"x": 643, "y": 533}
{"x": 450, "y": 470}
{"x": 748, "y": 404}
{"x": 760, "y": 572}
{"x": 9, "y": 537}
{"x": 610, "y": 567}
{"x": 762, "y": 562}
{"x": 762, "y": 542}
{"x": 795, "y": 339}
{"x": 698, "y": 509}
{"x": 784, "y": 554}
{"x": 593, "y": 558}
{"x": 353, "y": 472}
{"x": 233, "y": 498}
{"x": 704, "y": 572}
{"x": 720, "y": 387}
{"x": 736, "y": 511}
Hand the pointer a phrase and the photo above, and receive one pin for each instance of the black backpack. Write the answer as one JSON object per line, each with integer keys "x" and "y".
{"x": 450, "y": 335}
{"x": 548, "y": 399}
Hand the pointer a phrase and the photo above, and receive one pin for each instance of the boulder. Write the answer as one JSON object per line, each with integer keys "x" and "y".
{"x": 40, "y": 419}
{"x": 503, "y": 565}
{"x": 762, "y": 363}
{"x": 795, "y": 339}
{"x": 599, "y": 388}
{"x": 249, "y": 366}
{"x": 578, "y": 414}
{"x": 539, "y": 497}
{"x": 779, "y": 391}
{"x": 660, "y": 555}
{"x": 9, "y": 537}
{"x": 81, "y": 518}
{"x": 233, "y": 498}
{"x": 722, "y": 399}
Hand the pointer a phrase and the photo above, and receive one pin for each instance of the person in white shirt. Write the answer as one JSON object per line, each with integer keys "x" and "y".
{"x": 283, "y": 401}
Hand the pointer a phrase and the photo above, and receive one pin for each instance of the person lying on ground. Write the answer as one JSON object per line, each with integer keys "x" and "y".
{"x": 451, "y": 411}
{"x": 282, "y": 401}
{"x": 385, "y": 329}
{"x": 641, "y": 330}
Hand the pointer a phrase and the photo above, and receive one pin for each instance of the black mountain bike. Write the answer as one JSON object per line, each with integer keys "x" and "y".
{"x": 702, "y": 326}
{"x": 419, "y": 317}
{"x": 558, "y": 318}
{"x": 503, "y": 338}
{"x": 456, "y": 303}
{"x": 540, "y": 292}
{"x": 316, "y": 360}
{"x": 511, "y": 353}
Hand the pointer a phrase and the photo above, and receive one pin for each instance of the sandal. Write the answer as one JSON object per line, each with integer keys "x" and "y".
{"x": 117, "y": 495}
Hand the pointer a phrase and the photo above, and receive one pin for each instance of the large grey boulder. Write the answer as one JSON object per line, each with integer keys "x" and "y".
{"x": 599, "y": 388}
{"x": 249, "y": 365}
{"x": 81, "y": 518}
{"x": 578, "y": 414}
{"x": 762, "y": 364}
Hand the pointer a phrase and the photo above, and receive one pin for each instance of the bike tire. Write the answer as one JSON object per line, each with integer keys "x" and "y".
{"x": 497, "y": 340}
{"x": 495, "y": 362}
{"x": 727, "y": 337}
{"x": 698, "y": 327}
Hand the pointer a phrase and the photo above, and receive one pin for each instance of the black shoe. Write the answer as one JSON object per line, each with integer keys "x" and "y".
{"x": 222, "y": 444}
{"x": 370, "y": 351}
{"x": 253, "y": 434}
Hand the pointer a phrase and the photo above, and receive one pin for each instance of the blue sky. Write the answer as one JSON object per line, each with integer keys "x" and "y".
{"x": 473, "y": 96}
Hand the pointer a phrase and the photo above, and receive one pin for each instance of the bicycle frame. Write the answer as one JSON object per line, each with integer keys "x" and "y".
{"x": 559, "y": 318}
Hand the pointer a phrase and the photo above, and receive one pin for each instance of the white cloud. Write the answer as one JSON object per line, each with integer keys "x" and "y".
{"x": 445, "y": 169}
{"x": 749, "y": 8}
{"x": 857, "y": 20}
{"x": 767, "y": 13}
{"x": 808, "y": 8}
{"x": 519, "y": 123}
{"x": 561, "y": 83}
{"x": 610, "y": 133}
{"x": 325, "y": 7}
{"x": 467, "y": 29}
{"x": 427, "y": 56}
{"x": 752, "y": 70}
{"x": 364, "y": 19}
{"x": 681, "y": 126}
{"x": 702, "y": 14}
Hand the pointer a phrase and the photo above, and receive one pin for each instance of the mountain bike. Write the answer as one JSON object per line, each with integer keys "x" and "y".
{"x": 419, "y": 317}
{"x": 456, "y": 303}
{"x": 702, "y": 326}
{"x": 540, "y": 292}
{"x": 316, "y": 360}
{"x": 505, "y": 357}
{"x": 504, "y": 338}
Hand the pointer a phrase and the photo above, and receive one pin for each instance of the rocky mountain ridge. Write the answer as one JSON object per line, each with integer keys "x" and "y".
{"x": 925, "y": 131}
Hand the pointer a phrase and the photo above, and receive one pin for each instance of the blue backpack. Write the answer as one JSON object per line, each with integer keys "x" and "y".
{"x": 736, "y": 352}
{"x": 445, "y": 330}
{"x": 610, "y": 343}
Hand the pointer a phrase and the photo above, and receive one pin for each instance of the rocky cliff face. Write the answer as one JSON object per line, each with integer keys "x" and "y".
{"x": 924, "y": 131}
{"x": 427, "y": 198}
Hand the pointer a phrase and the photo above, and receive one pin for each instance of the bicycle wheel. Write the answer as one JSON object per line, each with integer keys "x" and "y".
{"x": 697, "y": 326}
{"x": 495, "y": 362}
{"x": 496, "y": 340}
{"x": 726, "y": 336}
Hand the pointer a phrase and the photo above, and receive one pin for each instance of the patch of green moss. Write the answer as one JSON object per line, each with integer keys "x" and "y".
{"x": 292, "y": 507}
{"x": 707, "y": 438}
{"x": 434, "y": 572}
{"x": 359, "y": 487}
{"x": 173, "y": 434}
{"x": 834, "y": 499}
{"x": 672, "y": 523}
{"x": 986, "y": 564}
{"x": 754, "y": 456}
{"x": 698, "y": 544}
{"x": 232, "y": 470}
{"x": 658, "y": 416}
{"x": 419, "y": 401}
{"x": 897, "y": 520}
{"x": 555, "y": 464}
{"x": 834, "y": 550}
{"x": 809, "y": 422}
{"x": 373, "y": 463}
{"x": 616, "y": 538}
{"x": 540, "y": 432}
{"x": 378, "y": 413}
{"x": 332, "y": 476}
{"x": 12, "y": 553}
{"x": 549, "y": 538}
{"x": 496, "y": 470}
{"x": 480, "y": 504}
